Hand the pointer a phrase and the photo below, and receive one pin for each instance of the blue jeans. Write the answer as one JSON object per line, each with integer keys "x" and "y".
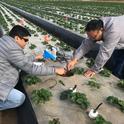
{"x": 14, "y": 99}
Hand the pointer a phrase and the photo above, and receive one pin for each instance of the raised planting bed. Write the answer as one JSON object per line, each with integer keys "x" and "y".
{"x": 71, "y": 107}
{"x": 69, "y": 111}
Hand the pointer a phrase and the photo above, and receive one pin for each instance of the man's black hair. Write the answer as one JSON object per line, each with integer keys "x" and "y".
{"x": 20, "y": 31}
{"x": 94, "y": 25}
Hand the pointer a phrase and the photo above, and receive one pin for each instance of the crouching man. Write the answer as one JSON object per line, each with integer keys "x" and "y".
{"x": 110, "y": 31}
{"x": 12, "y": 59}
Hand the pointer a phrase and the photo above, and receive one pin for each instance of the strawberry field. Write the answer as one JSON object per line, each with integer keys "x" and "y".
{"x": 52, "y": 99}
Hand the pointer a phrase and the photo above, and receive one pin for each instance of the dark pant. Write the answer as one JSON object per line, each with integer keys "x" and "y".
{"x": 116, "y": 63}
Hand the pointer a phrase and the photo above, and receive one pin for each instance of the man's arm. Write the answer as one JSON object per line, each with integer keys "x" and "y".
{"x": 31, "y": 57}
{"x": 84, "y": 48}
{"x": 18, "y": 59}
{"x": 106, "y": 50}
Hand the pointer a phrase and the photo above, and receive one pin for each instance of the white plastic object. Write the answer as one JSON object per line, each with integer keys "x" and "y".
{"x": 38, "y": 63}
{"x": 93, "y": 114}
{"x": 74, "y": 91}
{"x": 54, "y": 50}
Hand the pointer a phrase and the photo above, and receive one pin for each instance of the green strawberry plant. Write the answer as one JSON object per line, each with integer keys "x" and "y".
{"x": 121, "y": 84}
{"x": 31, "y": 79}
{"x": 105, "y": 72}
{"x": 41, "y": 96}
{"x": 90, "y": 62}
{"x": 54, "y": 121}
{"x": 33, "y": 46}
{"x": 44, "y": 33}
{"x": 77, "y": 70}
{"x": 64, "y": 46}
{"x": 100, "y": 120}
{"x": 116, "y": 102}
{"x": 79, "y": 99}
{"x": 93, "y": 83}
{"x": 53, "y": 39}
{"x": 65, "y": 94}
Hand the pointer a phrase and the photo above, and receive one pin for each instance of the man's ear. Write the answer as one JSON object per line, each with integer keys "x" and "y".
{"x": 102, "y": 29}
{"x": 16, "y": 38}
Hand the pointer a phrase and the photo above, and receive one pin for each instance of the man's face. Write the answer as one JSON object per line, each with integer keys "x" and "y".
{"x": 95, "y": 35}
{"x": 21, "y": 41}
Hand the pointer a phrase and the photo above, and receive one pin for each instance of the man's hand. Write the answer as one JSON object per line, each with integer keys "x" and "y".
{"x": 39, "y": 56}
{"x": 89, "y": 73}
{"x": 60, "y": 71}
{"x": 71, "y": 64}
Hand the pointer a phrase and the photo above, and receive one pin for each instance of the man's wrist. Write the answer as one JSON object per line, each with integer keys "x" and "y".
{"x": 74, "y": 60}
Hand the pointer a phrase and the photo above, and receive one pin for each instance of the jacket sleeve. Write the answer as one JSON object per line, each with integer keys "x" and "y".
{"x": 106, "y": 50}
{"x": 31, "y": 58}
{"x": 17, "y": 58}
{"x": 84, "y": 48}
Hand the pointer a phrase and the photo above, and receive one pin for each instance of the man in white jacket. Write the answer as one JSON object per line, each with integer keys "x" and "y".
{"x": 110, "y": 31}
{"x": 13, "y": 59}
